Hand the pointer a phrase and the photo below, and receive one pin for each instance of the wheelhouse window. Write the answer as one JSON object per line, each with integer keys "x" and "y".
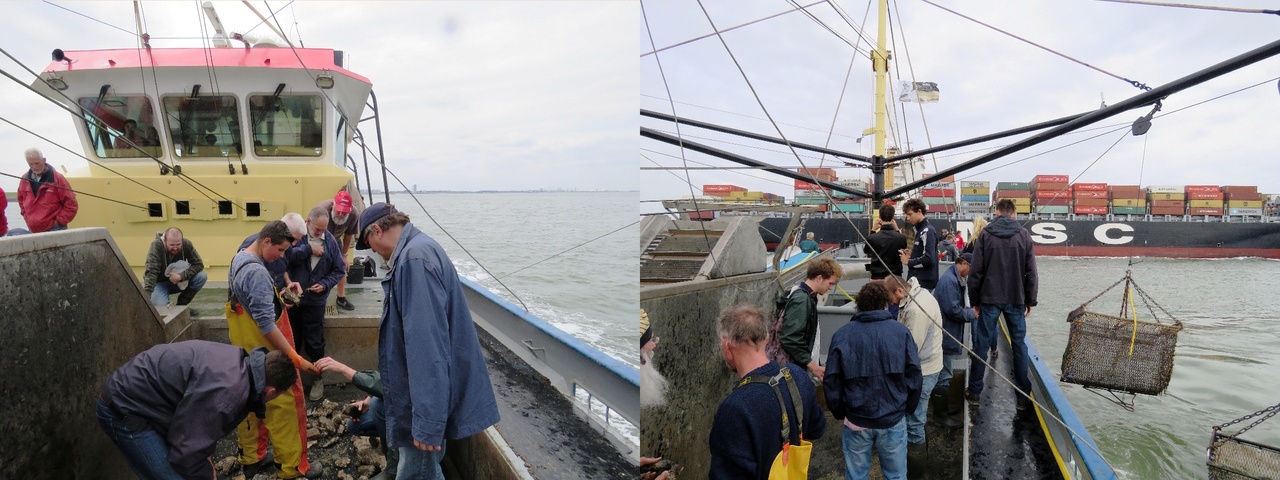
{"x": 113, "y": 122}
{"x": 206, "y": 126}
{"x": 287, "y": 125}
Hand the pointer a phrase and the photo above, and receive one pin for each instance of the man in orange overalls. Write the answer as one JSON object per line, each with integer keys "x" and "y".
{"x": 251, "y": 323}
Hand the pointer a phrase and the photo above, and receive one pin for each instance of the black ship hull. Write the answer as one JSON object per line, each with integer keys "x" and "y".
{"x": 1077, "y": 237}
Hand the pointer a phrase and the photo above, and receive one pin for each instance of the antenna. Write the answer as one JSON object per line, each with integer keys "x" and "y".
{"x": 220, "y": 39}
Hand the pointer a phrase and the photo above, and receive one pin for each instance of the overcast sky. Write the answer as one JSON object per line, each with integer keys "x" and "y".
{"x": 989, "y": 82}
{"x": 474, "y": 95}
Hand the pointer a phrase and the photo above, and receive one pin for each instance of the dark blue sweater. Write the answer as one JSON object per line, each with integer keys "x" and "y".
{"x": 873, "y": 371}
{"x": 923, "y": 263}
{"x": 950, "y": 296}
{"x": 747, "y": 432}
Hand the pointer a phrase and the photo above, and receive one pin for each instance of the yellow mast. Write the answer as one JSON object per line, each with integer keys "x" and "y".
{"x": 880, "y": 62}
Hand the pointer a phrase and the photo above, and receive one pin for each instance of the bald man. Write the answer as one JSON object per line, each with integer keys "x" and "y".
{"x": 173, "y": 266}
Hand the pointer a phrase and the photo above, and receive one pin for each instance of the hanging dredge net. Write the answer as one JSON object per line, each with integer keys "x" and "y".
{"x": 1231, "y": 457}
{"x": 1121, "y": 353}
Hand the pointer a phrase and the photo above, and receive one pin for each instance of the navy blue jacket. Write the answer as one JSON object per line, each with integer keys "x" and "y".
{"x": 1004, "y": 266}
{"x": 204, "y": 389}
{"x": 435, "y": 383}
{"x": 950, "y": 296}
{"x": 923, "y": 262}
{"x": 328, "y": 271}
{"x": 746, "y": 434}
{"x": 873, "y": 371}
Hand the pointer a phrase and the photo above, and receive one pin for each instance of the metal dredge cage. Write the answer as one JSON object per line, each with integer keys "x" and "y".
{"x": 1121, "y": 354}
{"x": 1231, "y": 457}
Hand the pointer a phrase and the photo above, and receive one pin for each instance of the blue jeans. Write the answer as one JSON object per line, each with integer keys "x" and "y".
{"x": 984, "y": 338}
{"x": 372, "y": 423}
{"x": 948, "y": 371}
{"x": 419, "y": 465}
{"x": 890, "y": 444}
{"x": 164, "y": 288}
{"x": 916, "y": 419}
{"x": 144, "y": 451}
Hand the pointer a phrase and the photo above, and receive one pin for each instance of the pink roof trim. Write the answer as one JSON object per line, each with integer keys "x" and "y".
{"x": 315, "y": 59}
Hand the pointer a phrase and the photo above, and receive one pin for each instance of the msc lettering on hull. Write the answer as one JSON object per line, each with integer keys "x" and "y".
{"x": 1050, "y": 233}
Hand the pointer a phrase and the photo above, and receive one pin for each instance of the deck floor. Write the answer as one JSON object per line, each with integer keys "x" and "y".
{"x": 1005, "y": 442}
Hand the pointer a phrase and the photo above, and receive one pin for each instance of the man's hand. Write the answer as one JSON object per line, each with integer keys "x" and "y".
{"x": 302, "y": 363}
{"x": 295, "y": 286}
{"x": 424, "y": 447}
{"x": 175, "y": 278}
{"x": 317, "y": 288}
{"x": 328, "y": 364}
{"x": 317, "y": 250}
{"x": 815, "y": 369}
{"x": 1028, "y": 314}
{"x": 646, "y": 461}
{"x": 905, "y": 256}
{"x": 977, "y": 312}
{"x": 362, "y": 405}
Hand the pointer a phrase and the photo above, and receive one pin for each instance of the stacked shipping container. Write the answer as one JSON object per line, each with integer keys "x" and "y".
{"x": 1051, "y": 194}
{"x": 1018, "y": 192}
{"x": 975, "y": 197}
{"x": 1166, "y": 200}
{"x": 1127, "y": 200}
{"x": 939, "y": 196}
{"x": 1090, "y": 198}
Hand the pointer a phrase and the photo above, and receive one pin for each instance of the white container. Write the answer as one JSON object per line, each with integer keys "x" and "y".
{"x": 975, "y": 184}
{"x": 1166, "y": 189}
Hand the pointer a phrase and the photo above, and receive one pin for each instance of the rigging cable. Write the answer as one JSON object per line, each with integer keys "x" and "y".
{"x": 1134, "y": 83}
{"x": 616, "y": 230}
{"x": 686, "y": 42}
{"x": 829, "y": 29}
{"x": 1201, "y": 7}
{"x": 906, "y": 50}
{"x": 19, "y": 177}
{"x": 743, "y": 115}
{"x": 89, "y": 17}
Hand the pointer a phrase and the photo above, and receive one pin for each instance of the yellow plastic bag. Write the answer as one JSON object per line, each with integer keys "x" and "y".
{"x": 792, "y": 463}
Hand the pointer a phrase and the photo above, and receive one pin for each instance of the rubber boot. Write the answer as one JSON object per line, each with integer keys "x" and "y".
{"x": 940, "y": 406}
{"x": 186, "y": 296}
{"x": 917, "y": 462}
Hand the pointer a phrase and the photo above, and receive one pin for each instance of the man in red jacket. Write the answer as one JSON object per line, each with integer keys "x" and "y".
{"x": 44, "y": 196}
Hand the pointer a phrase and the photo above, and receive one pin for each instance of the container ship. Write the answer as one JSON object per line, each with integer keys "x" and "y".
{"x": 1064, "y": 219}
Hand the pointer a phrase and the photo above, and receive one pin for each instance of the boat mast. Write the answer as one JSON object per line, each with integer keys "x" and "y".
{"x": 880, "y": 63}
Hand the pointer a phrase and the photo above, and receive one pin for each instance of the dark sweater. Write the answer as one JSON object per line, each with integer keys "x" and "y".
{"x": 882, "y": 248}
{"x": 747, "y": 432}
{"x": 1004, "y": 266}
{"x": 873, "y": 371}
{"x": 923, "y": 262}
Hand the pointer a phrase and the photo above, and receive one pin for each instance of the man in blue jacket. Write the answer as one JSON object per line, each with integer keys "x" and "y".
{"x": 317, "y": 265}
{"x": 922, "y": 261}
{"x": 435, "y": 383}
{"x": 167, "y": 408}
{"x": 950, "y": 294}
{"x": 1003, "y": 282}
{"x": 746, "y": 435}
{"x": 872, "y": 380}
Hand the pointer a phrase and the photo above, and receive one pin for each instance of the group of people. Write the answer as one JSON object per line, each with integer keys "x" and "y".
{"x": 885, "y": 368}
{"x": 167, "y": 408}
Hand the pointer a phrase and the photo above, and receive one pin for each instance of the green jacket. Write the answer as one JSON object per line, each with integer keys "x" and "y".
{"x": 158, "y": 258}
{"x": 369, "y": 381}
{"x": 799, "y": 325}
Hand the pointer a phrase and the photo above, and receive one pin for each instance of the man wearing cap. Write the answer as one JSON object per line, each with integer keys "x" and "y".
{"x": 950, "y": 294}
{"x": 441, "y": 391}
{"x": 343, "y": 225}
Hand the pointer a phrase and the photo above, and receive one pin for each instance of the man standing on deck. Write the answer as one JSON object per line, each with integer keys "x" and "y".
{"x": 809, "y": 245}
{"x": 922, "y": 261}
{"x": 872, "y": 383}
{"x": 950, "y": 295}
{"x": 317, "y": 267}
{"x": 796, "y": 337}
{"x": 748, "y": 429}
{"x": 885, "y": 246}
{"x": 343, "y": 224}
{"x": 167, "y": 408}
{"x": 45, "y": 198}
{"x": 173, "y": 265}
{"x": 434, "y": 379}
{"x": 279, "y": 268}
{"x": 252, "y": 323}
{"x": 1003, "y": 282}
{"x": 918, "y": 310}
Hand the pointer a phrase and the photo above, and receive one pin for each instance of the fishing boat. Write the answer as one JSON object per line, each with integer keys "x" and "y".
{"x": 218, "y": 141}
{"x": 704, "y": 254}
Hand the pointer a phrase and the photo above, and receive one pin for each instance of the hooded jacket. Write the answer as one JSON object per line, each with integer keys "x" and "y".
{"x": 919, "y": 312}
{"x": 950, "y": 296}
{"x": 882, "y": 248}
{"x": 873, "y": 371}
{"x": 435, "y": 383}
{"x": 923, "y": 263}
{"x": 46, "y": 200}
{"x": 192, "y": 393}
{"x": 1004, "y": 266}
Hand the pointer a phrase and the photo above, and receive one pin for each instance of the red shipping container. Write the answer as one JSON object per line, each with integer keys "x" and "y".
{"x": 1202, "y": 188}
{"x": 1126, "y": 191}
{"x": 1204, "y": 195}
{"x": 1213, "y": 212}
{"x": 1062, "y": 201}
{"x": 1244, "y": 196}
{"x": 1083, "y": 210}
{"x": 1053, "y": 194}
{"x": 938, "y": 192}
{"x": 1090, "y": 194}
{"x": 803, "y": 185}
{"x": 1234, "y": 189}
{"x": 1089, "y": 187}
{"x": 721, "y": 189}
{"x": 821, "y": 173}
{"x": 1179, "y": 204}
{"x": 1061, "y": 187}
{"x": 702, "y": 215}
{"x": 1167, "y": 211}
{"x": 1051, "y": 179}
{"x": 1091, "y": 202}
{"x": 1013, "y": 193}
{"x": 942, "y": 208}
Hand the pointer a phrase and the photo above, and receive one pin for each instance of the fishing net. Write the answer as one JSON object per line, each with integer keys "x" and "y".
{"x": 1121, "y": 353}
{"x": 1231, "y": 457}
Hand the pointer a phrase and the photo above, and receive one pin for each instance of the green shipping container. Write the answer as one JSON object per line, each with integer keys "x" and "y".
{"x": 1013, "y": 186}
{"x": 1047, "y": 209}
{"x": 849, "y": 207}
{"x": 1129, "y": 210}
{"x": 939, "y": 200}
{"x": 811, "y": 200}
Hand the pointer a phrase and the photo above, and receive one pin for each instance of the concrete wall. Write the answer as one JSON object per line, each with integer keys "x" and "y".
{"x": 72, "y": 313}
{"x": 684, "y": 316}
